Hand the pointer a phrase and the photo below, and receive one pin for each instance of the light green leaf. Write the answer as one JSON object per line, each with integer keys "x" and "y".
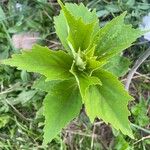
{"x": 115, "y": 36}
{"x": 62, "y": 29}
{"x": 61, "y": 105}
{"x": 52, "y": 64}
{"x": 118, "y": 65}
{"x": 91, "y": 61}
{"x": 77, "y": 11}
{"x": 109, "y": 102}
{"x": 80, "y": 11}
{"x": 79, "y": 33}
{"x": 83, "y": 80}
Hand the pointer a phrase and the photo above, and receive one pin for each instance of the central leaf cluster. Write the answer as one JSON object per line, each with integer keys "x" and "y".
{"x": 79, "y": 61}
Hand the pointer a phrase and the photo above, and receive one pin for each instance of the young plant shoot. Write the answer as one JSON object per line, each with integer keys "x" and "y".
{"x": 76, "y": 75}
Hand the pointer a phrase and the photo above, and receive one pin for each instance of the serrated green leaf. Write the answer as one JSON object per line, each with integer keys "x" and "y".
{"x": 83, "y": 80}
{"x": 79, "y": 32}
{"x": 79, "y": 40}
{"x": 114, "y": 37}
{"x": 62, "y": 29}
{"x": 61, "y": 105}
{"x": 109, "y": 102}
{"x": 52, "y": 64}
{"x": 77, "y": 11}
{"x": 80, "y": 11}
{"x": 118, "y": 65}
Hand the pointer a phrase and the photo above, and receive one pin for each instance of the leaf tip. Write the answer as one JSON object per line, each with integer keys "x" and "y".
{"x": 124, "y": 13}
{"x": 60, "y": 3}
{"x": 130, "y": 134}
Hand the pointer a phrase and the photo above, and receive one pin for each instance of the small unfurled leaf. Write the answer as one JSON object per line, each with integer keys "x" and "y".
{"x": 109, "y": 101}
{"x": 114, "y": 37}
{"x": 118, "y": 65}
{"x": 92, "y": 64}
{"x": 61, "y": 105}
{"x": 53, "y": 64}
{"x": 83, "y": 80}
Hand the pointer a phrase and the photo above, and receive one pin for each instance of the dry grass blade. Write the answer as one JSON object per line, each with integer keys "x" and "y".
{"x": 142, "y": 139}
{"x": 141, "y": 59}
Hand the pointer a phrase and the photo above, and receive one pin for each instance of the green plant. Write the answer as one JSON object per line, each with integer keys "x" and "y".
{"x": 77, "y": 75}
{"x": 140, "y": 113}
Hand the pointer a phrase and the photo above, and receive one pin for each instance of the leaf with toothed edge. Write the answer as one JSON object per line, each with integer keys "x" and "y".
{"x": 61, "y": 105}
{"x": 44, "y": 61}
{"x": 77, "y": 12}
{"x": 79, "y": 32}
{"x": 109, "y": 102}
{"x": 114, "y": 37}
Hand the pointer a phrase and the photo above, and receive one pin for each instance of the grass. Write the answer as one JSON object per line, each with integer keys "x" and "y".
{"x": 21, "y": 120}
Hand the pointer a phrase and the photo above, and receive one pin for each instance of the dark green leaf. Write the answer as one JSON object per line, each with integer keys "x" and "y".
{"x": 61, "y": 105}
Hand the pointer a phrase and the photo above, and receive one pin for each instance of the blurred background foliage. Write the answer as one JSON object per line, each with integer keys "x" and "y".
{"x": 21, "y": 120}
